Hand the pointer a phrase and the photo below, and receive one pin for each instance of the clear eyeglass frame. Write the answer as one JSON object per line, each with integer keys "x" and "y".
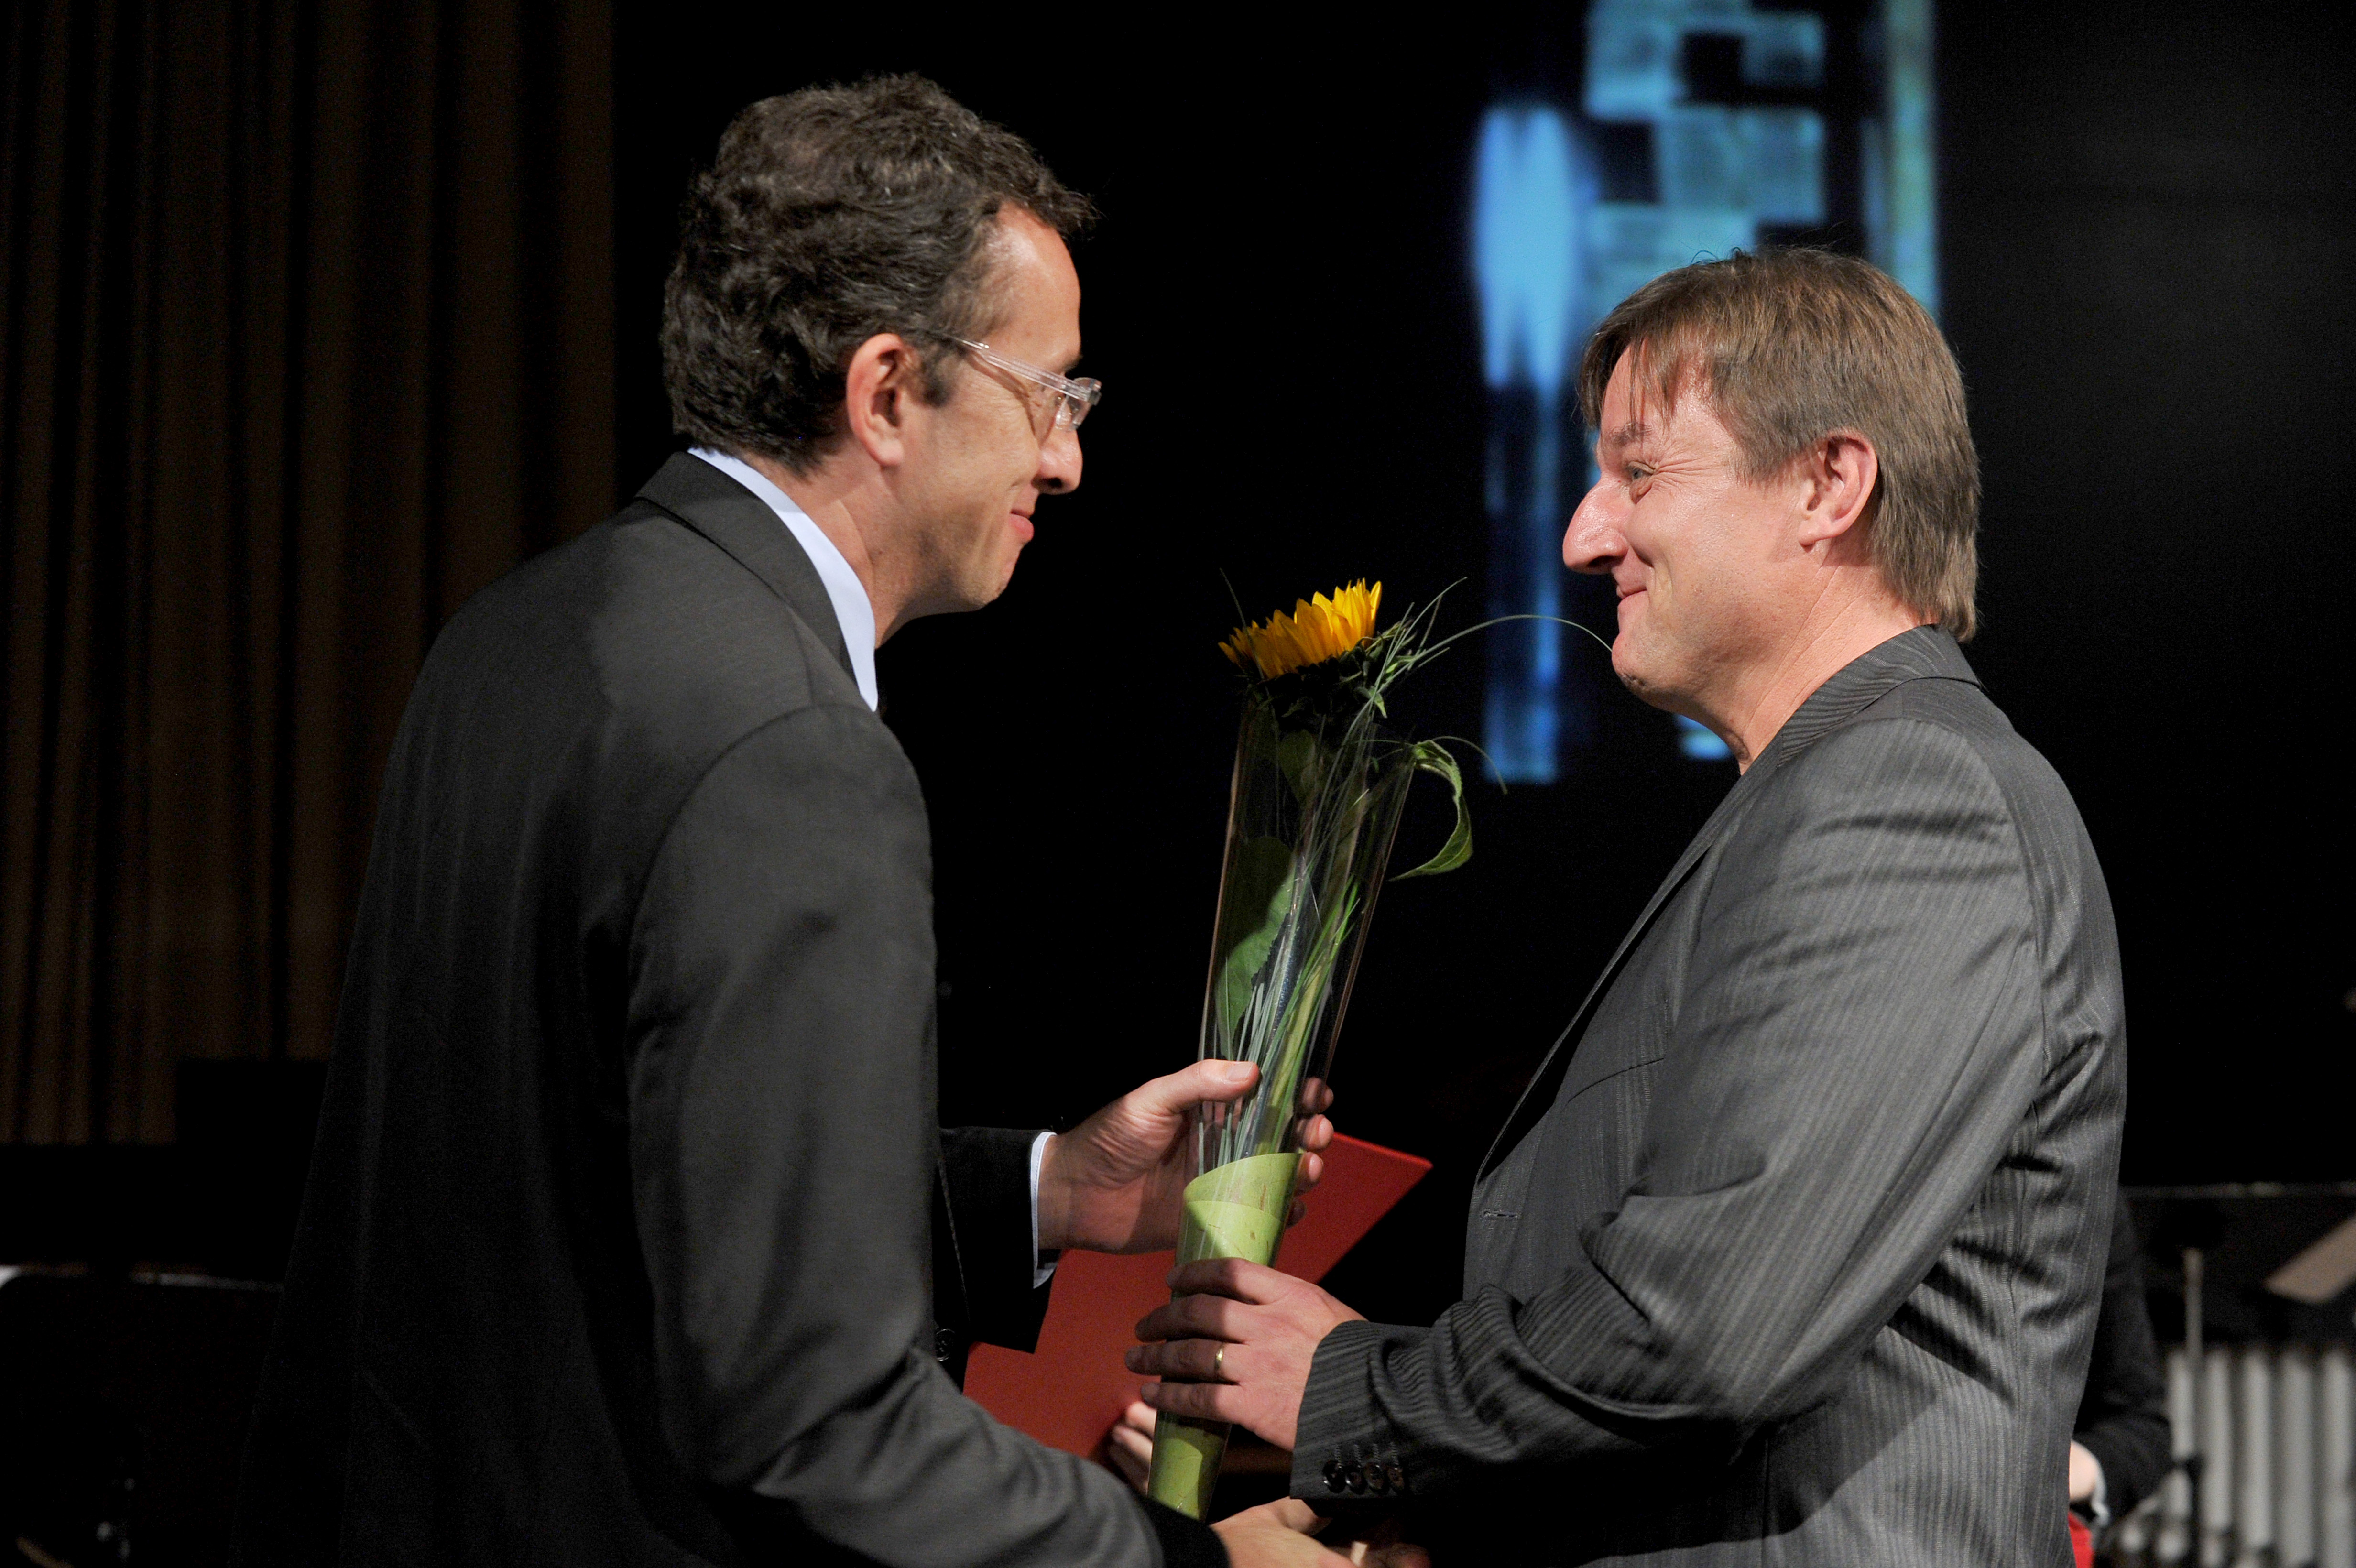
{"x": 1074, "y": 399}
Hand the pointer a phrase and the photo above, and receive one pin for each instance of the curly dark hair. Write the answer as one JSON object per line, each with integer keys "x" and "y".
{"x": 831, "y": 214}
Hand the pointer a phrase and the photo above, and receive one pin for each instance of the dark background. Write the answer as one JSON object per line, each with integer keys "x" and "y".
{"x": 2144, "y": 214}
{"x": 319, "y": 316}
{"x": 316, "y": 316}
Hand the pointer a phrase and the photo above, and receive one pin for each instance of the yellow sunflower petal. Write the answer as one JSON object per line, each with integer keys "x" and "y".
{"x": 1319, "y": 628}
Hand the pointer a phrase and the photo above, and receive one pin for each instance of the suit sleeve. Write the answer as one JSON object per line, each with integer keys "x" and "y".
{"x": 1858, "y": 1036}
{"x": 2123, "y": 1418}
{"x": 783, "y": 1150}
{"x": 985, "y": 1267}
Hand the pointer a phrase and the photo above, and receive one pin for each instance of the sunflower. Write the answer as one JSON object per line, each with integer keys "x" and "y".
{"x": 1317, "y": 630}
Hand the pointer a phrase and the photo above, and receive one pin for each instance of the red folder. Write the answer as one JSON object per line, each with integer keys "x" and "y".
{"x": 1070, "y": 1393}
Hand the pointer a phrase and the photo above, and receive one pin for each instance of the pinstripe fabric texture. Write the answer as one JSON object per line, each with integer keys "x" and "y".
{"x": 1792, "y": 1253}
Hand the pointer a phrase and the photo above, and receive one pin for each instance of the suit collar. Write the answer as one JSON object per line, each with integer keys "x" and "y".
{"x": 1926, "y": 653}
{"x": 742, "y": 526}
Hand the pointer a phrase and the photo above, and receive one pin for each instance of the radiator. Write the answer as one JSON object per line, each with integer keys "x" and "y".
{"x": 2264, "y": 1437}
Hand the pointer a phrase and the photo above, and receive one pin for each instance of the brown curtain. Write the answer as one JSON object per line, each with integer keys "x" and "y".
{"x": 306, "y": 334}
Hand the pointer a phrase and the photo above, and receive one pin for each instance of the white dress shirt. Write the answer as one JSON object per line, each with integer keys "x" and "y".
{"x": 855, "y": 613}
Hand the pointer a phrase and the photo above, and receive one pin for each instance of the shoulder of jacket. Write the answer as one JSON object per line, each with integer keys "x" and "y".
{"x": 676, "y": 623}
{"x": 1903, "y": 724}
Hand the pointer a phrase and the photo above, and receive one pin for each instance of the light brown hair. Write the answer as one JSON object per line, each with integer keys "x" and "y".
{"x": 1788, "y": 346}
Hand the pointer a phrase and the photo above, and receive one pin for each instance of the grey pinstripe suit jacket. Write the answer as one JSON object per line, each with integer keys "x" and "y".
{"x": 1792, "y": 1253}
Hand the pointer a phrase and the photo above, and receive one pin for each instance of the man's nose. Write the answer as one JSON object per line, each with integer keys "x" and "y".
{"x": 1059, "y": 461}
{"x": 1594, "y": 542}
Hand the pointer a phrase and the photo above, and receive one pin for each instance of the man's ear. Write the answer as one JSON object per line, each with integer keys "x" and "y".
{"x": 879, "y": 386}
{"x": 1840, "y": 475}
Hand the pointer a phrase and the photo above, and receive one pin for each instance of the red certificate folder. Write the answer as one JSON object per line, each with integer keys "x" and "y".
{"x": 1073, "y": 1388}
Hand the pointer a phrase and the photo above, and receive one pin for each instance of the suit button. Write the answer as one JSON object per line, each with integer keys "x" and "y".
{"x": 1357, "y": 1474}
{"x": 1398, "y": 1478}
{"x": 1378, "y": 1480}
{"x": 1334, "y": 1481}
{"x": 944, "y": 1345}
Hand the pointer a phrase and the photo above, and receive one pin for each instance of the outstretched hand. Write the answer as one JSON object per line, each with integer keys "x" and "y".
{"x": 1373, "y": 1543}
{"x": 1281, "y": 1534}
{"x": 1113, "y": 1184}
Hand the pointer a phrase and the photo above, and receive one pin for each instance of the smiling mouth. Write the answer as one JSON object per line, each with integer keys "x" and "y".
{"x": 1023, "y": 528}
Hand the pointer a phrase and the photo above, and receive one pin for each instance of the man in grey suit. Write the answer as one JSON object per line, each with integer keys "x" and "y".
{"x": 616, "y": 1246}
{"x": 1793, "y": 1250}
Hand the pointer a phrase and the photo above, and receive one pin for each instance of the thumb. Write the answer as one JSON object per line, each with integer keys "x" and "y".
{"x": 1212, "y": 1080}
{"x": 1293, "y": 1514}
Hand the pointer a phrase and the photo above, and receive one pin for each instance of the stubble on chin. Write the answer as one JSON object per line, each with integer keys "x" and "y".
{"x": 1646, "y": 684}
{"x": 990, "y": 579}
{"x": 1625, "y": 664}
{"x": 1647, "y": 692}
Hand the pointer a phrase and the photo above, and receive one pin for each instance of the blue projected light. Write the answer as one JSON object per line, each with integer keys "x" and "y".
{"x": 1529, "y": 193}
{"x": 1739, "y": 147}
{"x": 1698, "y": 742}
{"x": 1526, "y": 249}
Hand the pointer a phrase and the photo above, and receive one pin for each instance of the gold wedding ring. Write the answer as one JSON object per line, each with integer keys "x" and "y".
{"x": 1218, "y": 1366}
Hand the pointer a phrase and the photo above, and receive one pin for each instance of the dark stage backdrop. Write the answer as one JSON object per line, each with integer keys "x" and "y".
{"x": 2144, "y": 210}
{"x": 306, "y": 334}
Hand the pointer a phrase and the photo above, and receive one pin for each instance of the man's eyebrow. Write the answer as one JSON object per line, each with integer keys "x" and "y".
{"x": 1627, "y": 435}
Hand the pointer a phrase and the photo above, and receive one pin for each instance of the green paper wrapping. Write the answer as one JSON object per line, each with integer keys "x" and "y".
{"x": 1235, "y": 1211}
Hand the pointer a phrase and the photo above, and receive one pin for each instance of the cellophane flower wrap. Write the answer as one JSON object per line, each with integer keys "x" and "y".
{"x": 1320, "y": 784}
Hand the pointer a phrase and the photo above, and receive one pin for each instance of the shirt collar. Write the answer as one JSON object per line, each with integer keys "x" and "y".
{"x": 854, "y": 612}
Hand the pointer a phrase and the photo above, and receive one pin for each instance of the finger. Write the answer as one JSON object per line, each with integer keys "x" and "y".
{"x": 1312, "y": 1172}
{"x": 1194, "y": 1360}
{"x": 1316, "y": 1094}
{"x": 1128, "y": 1462}
{"x": 1294, "y": 1215}
{"x": 1137, "y": 1473}
{"x": 1230, "y": 1277}
{"x": 1198, "y": 1402}
{"x": 1139, "y": 1419}
{"x": 1316, "y": 1133}
{"x": 1194, "y": 1318}
{"x": 1294, "y": 1514}
{"x": 1212, "y": 1080}
{"x": 1148, "y": 1360}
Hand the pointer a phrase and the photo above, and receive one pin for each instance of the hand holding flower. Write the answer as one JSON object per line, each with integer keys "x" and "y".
{"x": 1243, "y": 1337}
{"x": 1113, "y": 1183}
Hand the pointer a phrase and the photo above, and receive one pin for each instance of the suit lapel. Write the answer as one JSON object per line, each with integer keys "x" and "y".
{"x": 755, "y": 538}
{"x": 1540, "y": 1096}
{"x": 1924, "y": 653}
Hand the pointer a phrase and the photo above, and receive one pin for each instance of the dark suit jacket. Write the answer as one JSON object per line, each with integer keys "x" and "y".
{"x": 1795, "y": 1260}
{"x": 616, "y": 1248}
{"x": 2123, "y": 1415}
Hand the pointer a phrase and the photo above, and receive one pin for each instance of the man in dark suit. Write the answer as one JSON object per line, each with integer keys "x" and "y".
{"x": 631, "y": 1236}
{"x": 1792, "y": 1251}
{"x": 2119, "y": 1450}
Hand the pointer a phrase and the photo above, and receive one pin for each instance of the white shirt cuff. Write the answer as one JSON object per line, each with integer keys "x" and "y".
{"x": 1042, "y": 1269}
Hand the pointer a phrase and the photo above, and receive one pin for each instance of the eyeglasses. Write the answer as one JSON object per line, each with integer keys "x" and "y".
{"x": 1073, "y": 398}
